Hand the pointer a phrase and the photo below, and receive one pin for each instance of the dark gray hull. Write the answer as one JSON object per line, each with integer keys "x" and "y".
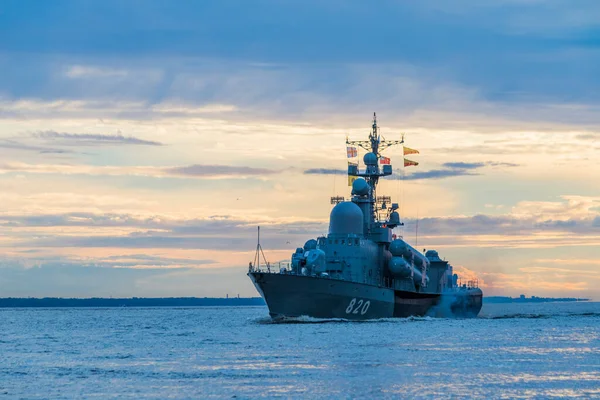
{"x": 293, "y": 296}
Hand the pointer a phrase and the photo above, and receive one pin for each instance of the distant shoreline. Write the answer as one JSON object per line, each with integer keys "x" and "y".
{"x": 532, "y": 299}
{"x": 56, "y": 302}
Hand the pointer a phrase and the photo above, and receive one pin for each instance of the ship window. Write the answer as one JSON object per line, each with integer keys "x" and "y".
{"x": 336, "y": 241}
{"x": 349, "y": 242}
{"x": 356, "y": 242}
{"x": 343, "y": 241}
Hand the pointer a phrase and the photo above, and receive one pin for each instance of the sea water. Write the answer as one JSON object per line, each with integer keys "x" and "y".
{"x": 510, "y": 351}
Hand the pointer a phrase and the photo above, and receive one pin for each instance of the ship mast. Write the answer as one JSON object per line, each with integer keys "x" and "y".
{"x": 258, "y": 253}
{"x": 374, "y": 146}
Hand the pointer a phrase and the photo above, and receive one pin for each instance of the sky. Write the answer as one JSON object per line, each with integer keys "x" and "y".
{"x": 142, "y": 142}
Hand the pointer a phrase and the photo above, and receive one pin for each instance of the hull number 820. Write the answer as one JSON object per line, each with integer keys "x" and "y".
{"x": 359, "y": 306}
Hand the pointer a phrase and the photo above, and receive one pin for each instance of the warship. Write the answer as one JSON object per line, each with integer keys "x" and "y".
{"x": 362, "y": 270}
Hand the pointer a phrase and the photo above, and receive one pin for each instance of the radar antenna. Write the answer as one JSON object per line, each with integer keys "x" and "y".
{"x": 376, "y": 142}
{"x": 372, "y": 171}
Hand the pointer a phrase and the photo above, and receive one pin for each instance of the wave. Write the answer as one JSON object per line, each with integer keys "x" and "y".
{"x": 540, "y": 316}
{"x": 311, "y": 320}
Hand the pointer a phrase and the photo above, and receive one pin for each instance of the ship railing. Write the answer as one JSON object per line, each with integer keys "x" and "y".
{"x": 271, "y": 268}
{"x": 469, "y": 284}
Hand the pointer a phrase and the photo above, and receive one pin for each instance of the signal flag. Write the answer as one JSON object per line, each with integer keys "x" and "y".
{"x": 408, "y": 163}
{"x": 408, "y": 150}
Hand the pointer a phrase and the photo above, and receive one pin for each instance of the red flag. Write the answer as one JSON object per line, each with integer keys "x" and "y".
{"x": 408, "y": 163}
{"x": 384, "y": 160}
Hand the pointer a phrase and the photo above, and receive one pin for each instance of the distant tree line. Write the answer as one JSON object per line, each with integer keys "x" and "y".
{"x": 532, "y": 299}
{"x": 131, "y": 302}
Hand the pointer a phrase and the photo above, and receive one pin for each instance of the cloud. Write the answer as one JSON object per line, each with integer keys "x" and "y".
{"x": 180, "y": 71}
{"x": 463, "y": 165}
{"x": 505, "y": 225}
{"x": 559, "y": 271}
{"x": 588, "y": 136}
{"x": 136, "y": 109}
{"x": 157, "y": 226}
{"x": 218, "y": 171}
{"x": 11, "y": 144}
{"x": 227, "y": 233}
{"x": 436, "y": 174}
{"x": 453, "y": 169}
{"x": 92, "y": 139}
{"x": 502, "y": 164}
{"x": 324, "y": 171}
{"x": 147, "y": 240}
{"x": 562, "y": 209}
{"x": 148, "y": 261}
{"x": 569, "y": 261}
{"x": 136, "y": 261}
{"x": 105, "y": 230}
{"x": 220, "y": 224}
{"x": 493, "y": 55}
{"x": 191, "y": 171}
{"x": 476, "y": 165}
{"x": 569, "y": 223}
{"x": 84, "y": 71}
{"x": 188, "y": 109}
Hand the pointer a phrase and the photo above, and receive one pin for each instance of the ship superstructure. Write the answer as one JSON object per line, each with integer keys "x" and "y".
{"x": 361, "y": 270}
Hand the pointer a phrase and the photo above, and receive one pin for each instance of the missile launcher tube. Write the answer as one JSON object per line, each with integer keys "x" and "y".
{"x": 399, "y": 248}
{"x": 400, "y": 268}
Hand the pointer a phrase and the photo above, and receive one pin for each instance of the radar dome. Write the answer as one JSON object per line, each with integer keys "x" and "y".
{"x": 370, "y": 159}
{"x": 310, "y": 244}
{"x": 432, "y": 255}
{"x": 394, "y": 218}
{"x": 346, "y": 218}
{"x": 360, "y": 187}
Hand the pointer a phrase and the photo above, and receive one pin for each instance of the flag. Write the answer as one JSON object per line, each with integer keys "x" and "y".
{"x": 384, "y": 160}
{"x": 408, "y": 163}
{"x": 351, "y": 180}
{"x": 408, "y": 150}
{"x": 352, "y": 152}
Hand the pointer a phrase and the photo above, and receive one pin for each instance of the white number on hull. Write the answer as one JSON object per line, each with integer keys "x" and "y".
{"x": 365, "y": 307}
{"x": 350, "y": 306}
{"x": 362, "y": 306}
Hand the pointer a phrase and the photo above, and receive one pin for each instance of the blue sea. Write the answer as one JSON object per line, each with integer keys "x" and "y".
{"x": 510, "y": 351}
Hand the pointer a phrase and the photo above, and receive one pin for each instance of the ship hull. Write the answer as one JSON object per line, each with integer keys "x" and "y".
{"x": 296, "y": 296}
{"x": 291, "y": 296}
